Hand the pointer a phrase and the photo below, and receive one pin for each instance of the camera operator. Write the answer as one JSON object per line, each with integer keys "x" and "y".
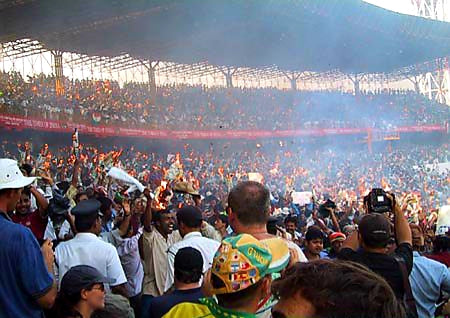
{"x": 367, "y": 245}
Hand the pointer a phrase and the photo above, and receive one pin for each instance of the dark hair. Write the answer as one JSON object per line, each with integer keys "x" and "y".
{"x": 314, "y": 233}
{"x": 27, "y": 191}
{"x": 190, "y": 222}
{"x": 65, "y": 303}
{"x": 85, "y": 223}
{"x": 27, "y": 168}
{"x": 291, "y": 218}
{"x": 79, "y": 195}
{"x": 223, "y": 218}
{"x": 106, "y": 203}
{"x": 250, "y": 201}
{"x": 441, "y": 244}
{"x": 188, "y": 277}
{"x": 237, "y": 299}
{"x": 339, "y": 289}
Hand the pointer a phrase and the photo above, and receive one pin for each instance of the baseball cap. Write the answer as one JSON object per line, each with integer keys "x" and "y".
{"x": 80, "y": 277}
{"x": 188, "y": 259}
{"x": 375, "y": 229}
{"x": 337, "y": 236}
{"x": 241, "y": 261}
{"x": 11, "y": 177}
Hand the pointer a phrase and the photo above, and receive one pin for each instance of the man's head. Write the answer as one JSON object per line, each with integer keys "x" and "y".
{"x": 242, "y": 268}
{"x": 12, "y": 182}
{"x": 314, "y": 240}
{"x": 164, "y": 221}
{"x": 326, "y": 289}
{"x": 88, "y": 216}
{"x": 418, "y": 239}
{"x": 81, "y": 196}
{"x": 248, "y": 204}
{"x": 336, "y": 241}
{"x": 23, "y": 206}
{"x": 188, "y": 266}
{"x": 189, "y": 219}
{"x": 221, "y": 222}
{"x": 106, "y": 207}
{"x": 374, "y": 231}
{"x": 290, "y": 222}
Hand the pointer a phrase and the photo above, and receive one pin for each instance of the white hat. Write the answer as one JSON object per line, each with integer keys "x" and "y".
{"x": 11, "y": 177}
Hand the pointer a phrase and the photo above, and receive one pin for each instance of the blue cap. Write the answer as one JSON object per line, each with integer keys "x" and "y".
{"x": 81, "y": 277}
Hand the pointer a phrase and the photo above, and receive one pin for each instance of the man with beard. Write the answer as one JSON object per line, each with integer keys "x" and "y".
{"x": 157, "y": 238}
{"x": 37, "y": 220}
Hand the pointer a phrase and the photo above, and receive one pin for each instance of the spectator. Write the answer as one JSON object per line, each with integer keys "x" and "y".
{"x": 86, "y": 248}
{"x": 314, "y": 244}
{"x": 428, "y": 278}
{"x": 240, "y": 278}
{"x": 81, "y": 293}
{"x": 35, "y": 220}
{"x": 221, "y": 225}
{"x": 127, "y": 247}
{"x": 248, "y": 212}
{"x": 188, "y": 272}
{"x": 441, "y": 251}
{"x": 26, "y": 271}
{"x": 291, "y": 224}
{"x": 108, "y": 213}
{"x": 330, "y": 288}
{"x": 157, "y": 238}
{"x": 374, "y": 232}
{"x": 189, "y": 224}
{"x": 336, "y": 241}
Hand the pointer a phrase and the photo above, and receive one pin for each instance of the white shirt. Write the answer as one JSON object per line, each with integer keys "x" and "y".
{"x": 88, "y": 249}
{"x": 205, "y": 246}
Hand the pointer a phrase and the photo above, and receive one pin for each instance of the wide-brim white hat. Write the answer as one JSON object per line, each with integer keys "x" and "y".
{"x": 11, "y": 177}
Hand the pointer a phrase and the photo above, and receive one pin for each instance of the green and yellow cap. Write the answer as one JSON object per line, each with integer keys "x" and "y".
{"x": 241, "y": 261}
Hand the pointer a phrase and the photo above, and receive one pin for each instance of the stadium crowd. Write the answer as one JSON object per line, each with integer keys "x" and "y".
{"x": 220, "y": 232}
{"x": 104, "y": 102}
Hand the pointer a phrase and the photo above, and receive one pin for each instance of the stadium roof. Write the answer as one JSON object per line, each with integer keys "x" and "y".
{"x": 347, "y": 35}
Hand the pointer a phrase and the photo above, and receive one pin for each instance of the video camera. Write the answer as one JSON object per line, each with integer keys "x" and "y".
{"x": 323, "y": 208}
{"x": 378, "y": 202}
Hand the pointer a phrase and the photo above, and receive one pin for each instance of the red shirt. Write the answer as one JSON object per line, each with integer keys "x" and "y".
{"x": 33, "y": 221}
{"x": 441, "y": 257}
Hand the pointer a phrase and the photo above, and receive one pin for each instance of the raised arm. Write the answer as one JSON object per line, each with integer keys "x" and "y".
{"x": 352, "y": 241}
{"x": 76, "y": 173}
{"x": 123, "y": 228}
{"x": 402, "y": 229}
{"x": 148, "y": 212}
{"x": 41, "y": 202}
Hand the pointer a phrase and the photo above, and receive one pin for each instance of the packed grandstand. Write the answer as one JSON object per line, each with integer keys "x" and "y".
{"x": 131, "y": 175}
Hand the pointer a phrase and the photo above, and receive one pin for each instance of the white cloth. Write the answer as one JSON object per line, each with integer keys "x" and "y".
{"x": 88, "y": 249}
{"x": 205, "y": 246}
{"x": 65, "y": 230}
